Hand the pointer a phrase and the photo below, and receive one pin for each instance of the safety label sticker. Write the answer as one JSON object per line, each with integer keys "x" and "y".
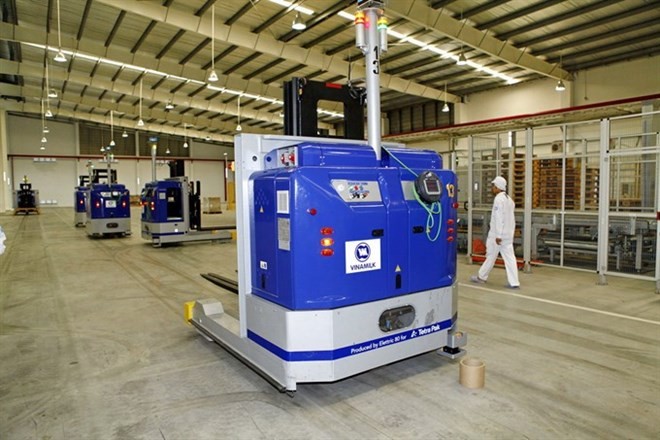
{"x": 362, "y": 255}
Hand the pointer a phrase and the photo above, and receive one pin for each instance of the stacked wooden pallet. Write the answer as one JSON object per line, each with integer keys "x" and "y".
{"x": 516, "y": 185}
{"x": 547, "y": 184}
{"x": 591, "y": 185}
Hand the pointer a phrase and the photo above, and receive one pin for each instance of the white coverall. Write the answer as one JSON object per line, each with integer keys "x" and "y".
{"x": 502, "y": 225}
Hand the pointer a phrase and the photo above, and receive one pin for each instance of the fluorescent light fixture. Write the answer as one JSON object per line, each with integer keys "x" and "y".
{"x": 302, "y": 9}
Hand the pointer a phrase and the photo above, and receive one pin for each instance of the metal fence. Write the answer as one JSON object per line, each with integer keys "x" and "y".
{"x": 586, "y": 193}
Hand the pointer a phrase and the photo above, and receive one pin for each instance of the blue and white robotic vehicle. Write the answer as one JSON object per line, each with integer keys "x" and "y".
{"x": 108, "y": 209}
{"x": 346, "y": 251}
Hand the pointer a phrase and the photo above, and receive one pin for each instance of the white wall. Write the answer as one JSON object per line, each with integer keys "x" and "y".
{"x": 24, "y": 137}
{"x": 56, "y": 177}
{"x": 618, "y": 81}
{"x": 518, "y": 99}
{"x": 625, "y": 80}
{"x": 53, "y": 179}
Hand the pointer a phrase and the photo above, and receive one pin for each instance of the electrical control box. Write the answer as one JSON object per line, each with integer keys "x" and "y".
{"x": 333, "y": 226}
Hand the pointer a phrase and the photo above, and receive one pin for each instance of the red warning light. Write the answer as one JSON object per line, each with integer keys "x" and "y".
{"x": 450, "y": 238}
{"x": 450, "y": 221}
{"x": 327, "y": 252}
{"x": 327, "y": 230}
{"x": 312, "y": 211}
{"x": 455, "y": 205}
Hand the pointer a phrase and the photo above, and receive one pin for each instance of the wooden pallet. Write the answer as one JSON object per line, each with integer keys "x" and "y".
{"x": 26, "y": 211}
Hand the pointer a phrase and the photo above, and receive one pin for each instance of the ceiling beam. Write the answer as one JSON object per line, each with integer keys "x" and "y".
{"x": 418, "y": 12}
{"x": 267, "y": 44}
{"x": 32, "y": 70}
{"x": 591, "y": 24}
{"x": 574, "y": 12}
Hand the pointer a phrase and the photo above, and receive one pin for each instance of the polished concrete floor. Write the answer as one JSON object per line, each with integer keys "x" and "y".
{"x": 93, "y": 346}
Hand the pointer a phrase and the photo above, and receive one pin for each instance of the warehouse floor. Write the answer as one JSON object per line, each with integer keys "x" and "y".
{"x": 93, "y": 346}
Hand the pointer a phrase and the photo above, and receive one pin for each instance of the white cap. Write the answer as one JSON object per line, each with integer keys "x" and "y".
{"x": 499, "y": 182}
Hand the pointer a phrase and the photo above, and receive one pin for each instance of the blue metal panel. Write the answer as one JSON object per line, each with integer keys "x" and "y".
{"x": 292, "y": 205}
{"x": 79, "y": 199}
{"x": 154, "y": 201}
{"x": 108, "y": 201}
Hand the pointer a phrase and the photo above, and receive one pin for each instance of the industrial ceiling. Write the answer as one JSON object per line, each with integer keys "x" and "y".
{"x": 114, "y": 48}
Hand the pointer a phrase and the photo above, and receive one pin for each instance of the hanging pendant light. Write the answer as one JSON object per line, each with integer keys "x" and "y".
{"x": 185, "y": 135}
{"x": 43, "y": 126}
{"x": 169, "y": 105}
{"x": 462, "y": 61}
{"x": 167, "y": 151}
{"x": 238, "y": 126}
{"x": 140, "y": 122}
{"x": 560, "y": 86}
{"x": 59, "y": 57}
{"x": 298, "y": 24}
{"x": 124, "y": 134}
{"x": 52, "y": 93}
{"x": 49, "y": 114}
{"x": 445, "y": 108}
{"x": 45, "y": 130}
{"x": 112, "y": 128}
{"x": 213, "y": 75}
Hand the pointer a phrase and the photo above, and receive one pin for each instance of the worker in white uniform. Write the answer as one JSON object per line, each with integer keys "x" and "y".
{"x": 500, "y": 236}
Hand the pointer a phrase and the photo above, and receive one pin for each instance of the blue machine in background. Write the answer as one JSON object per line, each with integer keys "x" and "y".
{"x": 108, "y": 209}
{"x": 171, "y": 213}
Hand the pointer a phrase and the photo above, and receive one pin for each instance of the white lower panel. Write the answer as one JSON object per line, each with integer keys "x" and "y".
{"x": 99, "y": 226}
{"x": 329, "y": 345}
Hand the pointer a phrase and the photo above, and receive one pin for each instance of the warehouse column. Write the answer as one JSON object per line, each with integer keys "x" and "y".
{"x": 527, "y": 216}
{"x": 5, "y": 186}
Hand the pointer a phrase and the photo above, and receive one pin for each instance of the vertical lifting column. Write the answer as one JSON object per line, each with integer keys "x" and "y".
{"x": 371, "y": 39}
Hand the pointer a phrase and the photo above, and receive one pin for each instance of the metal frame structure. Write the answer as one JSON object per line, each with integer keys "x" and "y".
{"x": 622, "y": 231}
